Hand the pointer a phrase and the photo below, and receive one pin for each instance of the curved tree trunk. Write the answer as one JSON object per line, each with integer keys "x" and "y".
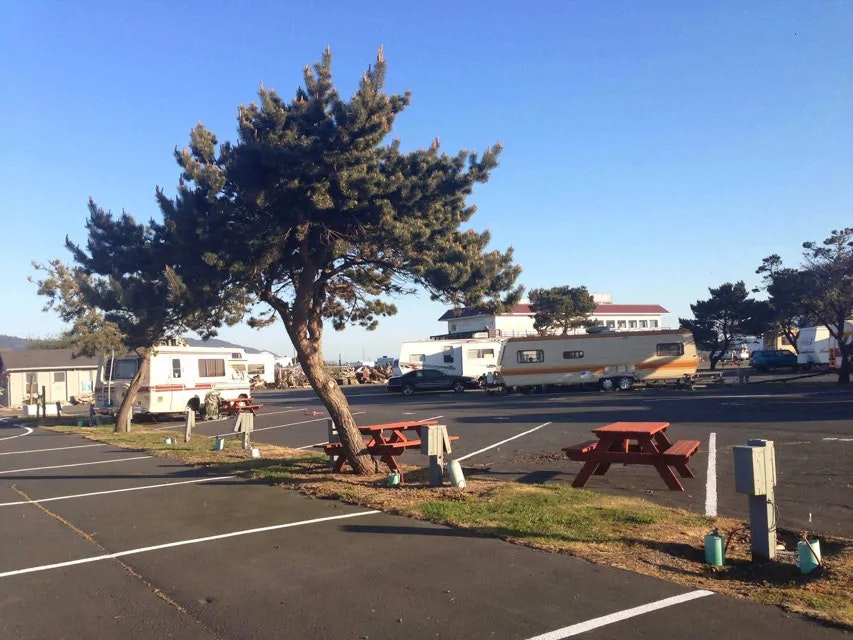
{"x": 125, "y": 411}
{"x": 845, "y": 350}
{"x": 310, "y": 356}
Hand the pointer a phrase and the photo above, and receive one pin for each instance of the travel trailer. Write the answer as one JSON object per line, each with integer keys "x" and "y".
{"x": 817, "y": 348}
{"x": 473, "y": 357}
{"x": 180, "y": 377}
{"x": 609, "y": 360}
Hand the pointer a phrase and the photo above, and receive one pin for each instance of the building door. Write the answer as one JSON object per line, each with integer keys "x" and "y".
{"x": 58, "y": 390}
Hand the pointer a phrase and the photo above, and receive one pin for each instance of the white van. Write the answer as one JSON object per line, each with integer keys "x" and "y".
{"x": 179, "y": 378}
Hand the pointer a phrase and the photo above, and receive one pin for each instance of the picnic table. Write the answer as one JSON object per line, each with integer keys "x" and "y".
{"x": 633, "y": 443}
{"x": 384, "y": 441}
{"x": 238, "y": 405}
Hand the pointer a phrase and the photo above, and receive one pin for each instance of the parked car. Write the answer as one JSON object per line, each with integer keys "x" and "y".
{"x": 430, "y": 380}
{"x": 770, "y": 359}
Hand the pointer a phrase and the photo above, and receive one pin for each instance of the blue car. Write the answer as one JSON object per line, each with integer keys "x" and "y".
{"x": 772, "y": 359}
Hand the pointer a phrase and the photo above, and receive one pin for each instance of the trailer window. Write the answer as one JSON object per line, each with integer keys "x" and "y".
{"x": 571, "y": 355}
{"x": 176, "y": 367}
{"x": 417, "y": 357}
{"x": 256, "y": 369}
{"x": 670, "y": 349}
{"x": 211, "y": 368}
{"x": 479, "y": 354}
{"x": 448, "y": 354}
{"x": 123, "y": 369}
{"x": 530, "y": 355}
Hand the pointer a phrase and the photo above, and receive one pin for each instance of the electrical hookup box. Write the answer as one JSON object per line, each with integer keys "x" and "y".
{"x": 755, "y": 467}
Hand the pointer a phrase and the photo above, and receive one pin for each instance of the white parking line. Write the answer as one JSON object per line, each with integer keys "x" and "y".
{"x": 282, "y": 426}
{"x": 101, "y": 493}
{"x": 595, "y": 623}
{"x": 78, "y": 464}
{"x": 76, "y": 446}
{"x": 20, "y": 435}
{"x": 180, "y": 543}
{"x": 711, "y": 484}
{"x": 200, "y": 422}
{"x": 497, "y": 444}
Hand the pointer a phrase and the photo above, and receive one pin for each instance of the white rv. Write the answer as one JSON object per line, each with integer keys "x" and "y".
{"x": 816, "y": 347}
{"x": 179, "y": 378}
{"x": 474, "y": 357}
{"x": 609, "y": 360}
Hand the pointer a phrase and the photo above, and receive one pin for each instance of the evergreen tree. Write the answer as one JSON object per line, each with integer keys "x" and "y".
{"x": 561, "y": 309}
{"x": 319, "y": 218}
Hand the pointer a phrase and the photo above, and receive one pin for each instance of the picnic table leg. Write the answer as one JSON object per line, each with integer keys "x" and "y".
{"x": 601, "y": 469}
{"x": 584, "y": 474}
{"x": 391, "y": 461}
{"x": 668, "y": 477}
{"x": 683, "y": 470}
{"x": 340, "y": 461}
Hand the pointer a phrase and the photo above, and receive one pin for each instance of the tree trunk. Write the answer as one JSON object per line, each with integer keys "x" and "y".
{"x": 125, "y": 411}
{"x": 845, "y": 351}
{"x": 310, "y": 355}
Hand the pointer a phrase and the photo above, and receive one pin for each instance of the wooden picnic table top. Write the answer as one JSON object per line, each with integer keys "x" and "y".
{"x": 400, "y": 426}
{"x": 631, "y": 428}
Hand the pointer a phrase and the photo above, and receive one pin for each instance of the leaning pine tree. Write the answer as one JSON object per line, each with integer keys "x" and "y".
{"x": 318, "y": 216}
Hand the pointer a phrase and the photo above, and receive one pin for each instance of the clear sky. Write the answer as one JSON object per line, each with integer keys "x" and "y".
{"x": 652, "y": 149}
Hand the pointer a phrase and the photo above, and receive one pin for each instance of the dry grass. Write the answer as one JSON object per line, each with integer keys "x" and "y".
{"x": 629, "y": 533}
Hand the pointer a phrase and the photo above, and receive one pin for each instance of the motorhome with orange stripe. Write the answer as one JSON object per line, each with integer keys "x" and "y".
{"x": 611, "y": 360}
{"x": 179, "y": 378}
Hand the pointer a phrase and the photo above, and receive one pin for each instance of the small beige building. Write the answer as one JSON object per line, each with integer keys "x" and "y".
{"x": 64, "y": 378}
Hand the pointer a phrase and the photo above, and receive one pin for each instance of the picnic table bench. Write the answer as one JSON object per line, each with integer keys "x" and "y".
{"x": 233, "y": 407}
{"x": 633, "y": 443}
{"x": 384, "y": 441}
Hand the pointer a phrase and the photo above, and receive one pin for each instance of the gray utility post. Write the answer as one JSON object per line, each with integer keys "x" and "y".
{"x": 189, "y": 424}
{"x": 245, "y": 424}
{"x": 435, "y": 443}
{"x": 755, "y": 475}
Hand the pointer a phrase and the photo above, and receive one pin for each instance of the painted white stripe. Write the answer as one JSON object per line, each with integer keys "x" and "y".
{"x": 711, "y": 484}
{"x": 180, "y": 425}
{"x": 77, "y": 464}
{"x": 20, "y": 435}
{"x": 497, "y": 444}
{"x": 180, "y": 543}
{"x": 282, "y": 426}
{"x": 709, "y": 397}
{"x": 76, "y": 446}
{"x": 595, "y": 623}
{"x": 101, "y": 493}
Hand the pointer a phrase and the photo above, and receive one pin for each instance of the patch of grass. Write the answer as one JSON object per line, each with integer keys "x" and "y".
{"x": 630, "y": 533}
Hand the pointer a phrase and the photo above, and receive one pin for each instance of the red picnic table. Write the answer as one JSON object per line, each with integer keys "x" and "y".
{"x": 633, "y": 443}
{"x": 385, "y": 441}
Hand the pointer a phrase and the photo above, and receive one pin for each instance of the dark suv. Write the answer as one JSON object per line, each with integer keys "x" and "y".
{"x": 770, "y": 359}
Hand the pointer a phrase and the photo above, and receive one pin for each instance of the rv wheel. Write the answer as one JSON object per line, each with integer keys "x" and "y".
{"x": 408, "y": 389}
{"x": 606, "y": 384}
{"x": 625, "y": 384}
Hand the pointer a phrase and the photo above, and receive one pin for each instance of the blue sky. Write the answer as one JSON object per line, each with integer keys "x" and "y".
{"x": 652, "y": 149}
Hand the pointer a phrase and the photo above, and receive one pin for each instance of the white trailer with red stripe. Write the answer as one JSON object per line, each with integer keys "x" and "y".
{"x": 180, "y": 377}
{"x": 611, "y": 360}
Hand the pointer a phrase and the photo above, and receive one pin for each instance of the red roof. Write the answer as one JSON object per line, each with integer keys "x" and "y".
{"x": 600, "y": 310}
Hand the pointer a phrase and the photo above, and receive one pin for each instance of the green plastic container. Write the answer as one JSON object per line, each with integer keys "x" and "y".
{"x": 714, "y": 550}
{"x": 809, "y": 555}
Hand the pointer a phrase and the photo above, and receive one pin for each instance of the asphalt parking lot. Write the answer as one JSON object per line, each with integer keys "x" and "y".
{"x": 99, "y": 542}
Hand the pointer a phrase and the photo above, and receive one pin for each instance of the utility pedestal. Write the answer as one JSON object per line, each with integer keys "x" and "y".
{"x": 435, "y": 443}
{"x": 755, "y": 475}
{"x": 189, "y": 423}
{"x": 245, "y": 424}
{"x": 333, "y": 437}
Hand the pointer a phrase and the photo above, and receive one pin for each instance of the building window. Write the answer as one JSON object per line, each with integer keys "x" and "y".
{"x": 653, "y": 324}
{"x": 571, "y": 355}
{"x": 211, "y": 368}
{"x": 621, "y": 324}
{"x": 59, "y": 376}
{"x": 530, "y": 355}
{"x": 611, "y": 324}
{"x": 670, "y": 349}
{"x": 448, "y": 355}
{"x": 453, "y": 328}
{"x": 644, "y": 324}
{"x": 176, "y": 367}
{"x": 632, "y": 324}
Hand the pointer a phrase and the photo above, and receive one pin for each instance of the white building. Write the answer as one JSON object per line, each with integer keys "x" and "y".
{"x": 519, "y": 321}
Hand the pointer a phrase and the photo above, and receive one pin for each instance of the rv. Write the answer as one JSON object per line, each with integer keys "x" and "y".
{"x": 473, "y": 357}
{"x": 817, "y": 348}
{"x": 179, "y": 378}
{"x": 608, "y": 360}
